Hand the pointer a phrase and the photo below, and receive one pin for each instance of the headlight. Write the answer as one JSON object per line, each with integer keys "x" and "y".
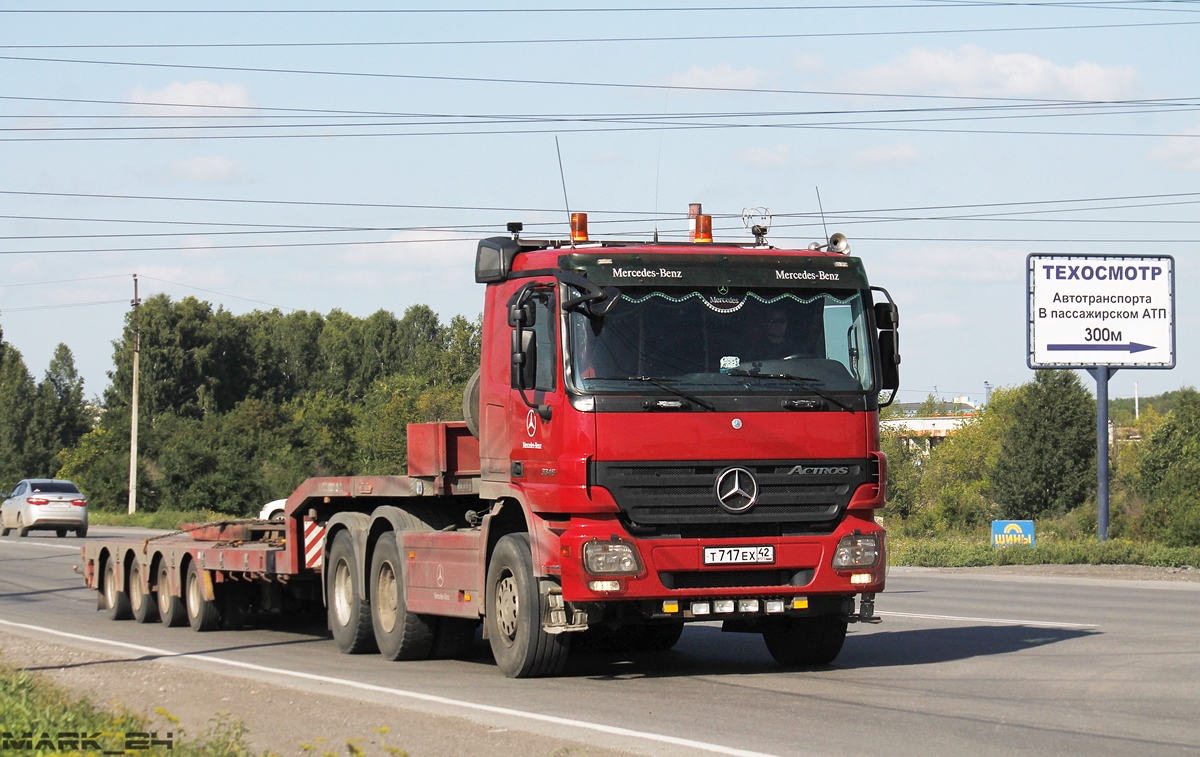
{"x": 857, "y": 551}
{"x": 611, "y": 558}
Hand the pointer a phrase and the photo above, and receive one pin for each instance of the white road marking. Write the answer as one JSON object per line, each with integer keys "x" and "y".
{"x": 38, "y": 544}
{"x": 583, "y": 724}
{"x": 995, "y": 621}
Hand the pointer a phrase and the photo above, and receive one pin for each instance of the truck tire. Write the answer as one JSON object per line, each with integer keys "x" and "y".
{"x": 400, "y": 634}
{"x": 470, "y": 403}
{"x": 806, "y": 642}
{"x": 170, "y": 608}
{"x": 202, "y": 613}
{"x": 143, "y": 605}
{"x": 454, "y": 638}
{"x": 116, "y": 602}
{"x": 514, "y": 614}
{"x": 349, "y": 615}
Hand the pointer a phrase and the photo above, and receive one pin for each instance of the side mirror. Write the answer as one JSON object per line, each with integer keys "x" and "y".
{"x": 887, "y": 316}
{"x": 524, "y": 360}
{"x": 889, "y": 360}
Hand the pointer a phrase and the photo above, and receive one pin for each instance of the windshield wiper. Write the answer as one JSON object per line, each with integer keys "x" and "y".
{"x": 663, "y": 382}
{"x": 806, "y": 383}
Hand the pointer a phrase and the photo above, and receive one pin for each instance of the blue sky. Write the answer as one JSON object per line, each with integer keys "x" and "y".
{"x": 921, "y": 122}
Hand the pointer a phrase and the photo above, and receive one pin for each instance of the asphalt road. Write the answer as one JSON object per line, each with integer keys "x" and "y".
{"x": 962, "y": 664}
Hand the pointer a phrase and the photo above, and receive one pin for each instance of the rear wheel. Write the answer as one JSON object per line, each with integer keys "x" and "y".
{"x": 116, "y": 602}
{"x": 81, "y": 532}
{"x": 454, "y": 638}
{"x": 514, "y": 614}
{"x": 805, "y": 641}
{"x": 170, "y": 608}
{"x": 143, "y": 604}
{"x": 22, "y": 531}
{"x": 202, "y": 613}
{"x": 61, "y": 532}
{"x": 349, "y": 614}
{"x": 400, "y": 634}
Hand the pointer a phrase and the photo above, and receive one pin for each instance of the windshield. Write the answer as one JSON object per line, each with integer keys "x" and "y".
{"x": 725, "y": 340}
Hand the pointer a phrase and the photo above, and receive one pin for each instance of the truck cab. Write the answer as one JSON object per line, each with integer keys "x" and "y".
{"x": 691, "y": 433}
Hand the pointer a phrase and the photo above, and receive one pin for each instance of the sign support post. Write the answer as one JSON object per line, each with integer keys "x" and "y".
{"x": 1102, "y": 374}
{"x": 1101, "y": 313}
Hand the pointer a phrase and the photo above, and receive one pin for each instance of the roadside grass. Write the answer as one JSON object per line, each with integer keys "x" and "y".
{"x": 975, "y": 550}
{"x": 37, "y": 717}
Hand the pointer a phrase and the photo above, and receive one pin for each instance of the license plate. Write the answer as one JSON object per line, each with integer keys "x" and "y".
{"x": 739, "y": 555}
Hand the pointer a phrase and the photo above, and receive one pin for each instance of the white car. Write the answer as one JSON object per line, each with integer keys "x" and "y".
{"x": 273, "y": 511}
{"x": 43, "y": 504}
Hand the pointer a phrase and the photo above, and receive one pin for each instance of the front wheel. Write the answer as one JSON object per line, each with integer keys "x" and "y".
{"x": 349, "y": 614}
{"x": 807, "y": 642}
{"x": 514, "y": 614}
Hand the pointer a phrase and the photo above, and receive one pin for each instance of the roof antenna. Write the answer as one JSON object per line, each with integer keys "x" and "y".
{"x": 566, "y": 202}
{"x": 822, "y": 209}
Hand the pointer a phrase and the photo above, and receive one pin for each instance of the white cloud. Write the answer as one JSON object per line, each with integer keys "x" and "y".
{"x": 766, "y": 157}
{"x": 972, "y": 70}
{"x": 196, "y": 96}
{"x": 810, "y": 62}
{"x": 884, "y": 155}
{"x": 723, "y": 75}
{"x": 1182, "y": 153}
{"x": 207, "y": 168}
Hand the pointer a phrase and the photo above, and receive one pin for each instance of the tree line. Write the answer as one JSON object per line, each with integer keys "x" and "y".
{"x": 1031, "y": 454}
{"x": 236, "y": 410}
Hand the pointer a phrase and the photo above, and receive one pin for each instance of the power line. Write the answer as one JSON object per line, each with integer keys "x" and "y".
{"x": 221, "y": 294}
{"x": 64, "y": 281}
{"x": 526, "y": 41}
{"x": 1082, "y": 4}
{"x": 63, "y": 305}
{"x": 512, "y": 80}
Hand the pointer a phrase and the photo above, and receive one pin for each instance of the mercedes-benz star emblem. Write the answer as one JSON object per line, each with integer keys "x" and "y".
{"x": 737, "y": 491}
{"x": 531, "y": 423}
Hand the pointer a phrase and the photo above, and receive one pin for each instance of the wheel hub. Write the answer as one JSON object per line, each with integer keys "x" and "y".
{"x": 507, "y": 606}
{"x": 386, "y": 598}
{"x": 343, "y": 591}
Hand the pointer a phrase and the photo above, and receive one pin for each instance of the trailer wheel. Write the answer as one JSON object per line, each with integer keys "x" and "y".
{"x": 202, "y": 613}
{"x": 805, "y": 641}
{"x": 170, "y": 608}
{"x": 349, "y": 615}
{"x": 400, "y": 634}
{"x": 115, "y": 601}
{"x": 514, "y": 614}
{"x": 143, "y": 605}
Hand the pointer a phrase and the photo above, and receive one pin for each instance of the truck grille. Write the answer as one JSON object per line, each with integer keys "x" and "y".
{"x": 659, "y": 496}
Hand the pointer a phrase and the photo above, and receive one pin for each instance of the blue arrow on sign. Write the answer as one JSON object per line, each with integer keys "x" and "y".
{"x": 1130, "y": 348}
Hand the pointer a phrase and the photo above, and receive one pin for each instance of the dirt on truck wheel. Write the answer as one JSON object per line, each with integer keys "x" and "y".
{"x": 514, "y": 615}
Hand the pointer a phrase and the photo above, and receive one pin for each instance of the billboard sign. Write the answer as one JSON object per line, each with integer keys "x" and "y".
{"x": 1101, "y": 310}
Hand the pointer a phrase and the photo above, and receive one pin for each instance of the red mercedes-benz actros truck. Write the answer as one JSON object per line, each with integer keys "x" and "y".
{"x": 658, "y": 434}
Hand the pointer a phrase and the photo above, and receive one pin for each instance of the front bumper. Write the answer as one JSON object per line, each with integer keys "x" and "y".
{"x": 674, "y": 569}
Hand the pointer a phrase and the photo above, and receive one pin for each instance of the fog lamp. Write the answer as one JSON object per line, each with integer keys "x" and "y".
{"x": 604, "y": 585}
{"x": 701, "y": 608}
{"x": 723, "y": 605}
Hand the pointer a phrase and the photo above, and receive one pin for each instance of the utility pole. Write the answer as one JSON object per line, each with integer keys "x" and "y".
{"x": 133, "y": 425}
